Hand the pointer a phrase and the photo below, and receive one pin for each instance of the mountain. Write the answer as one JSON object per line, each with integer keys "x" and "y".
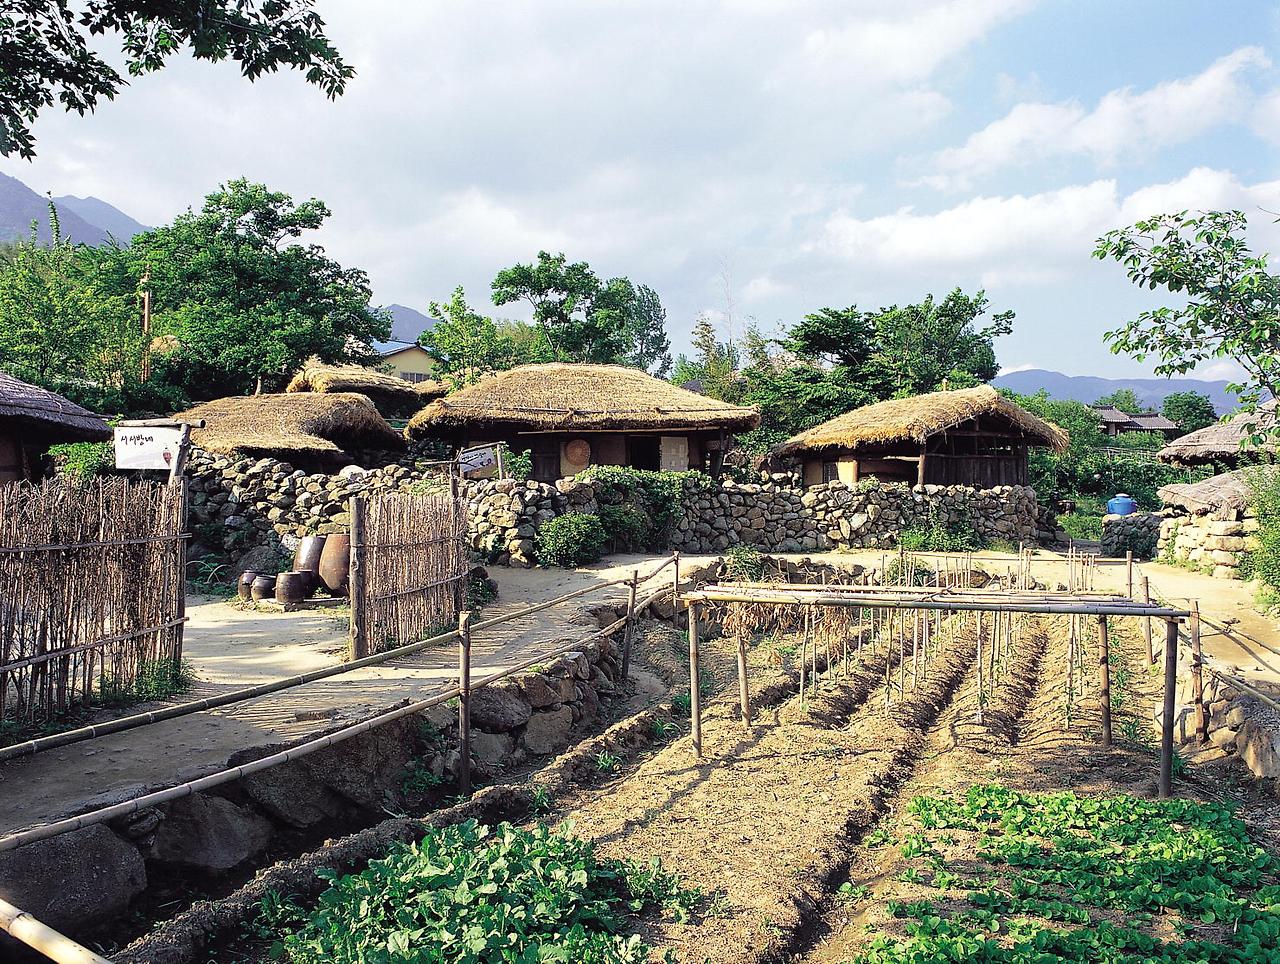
{"x": 101, "y": 215}
{"x": 1089, "y": 388}
{"x": 19, "y": 206}
{"x": 407, "y": 323}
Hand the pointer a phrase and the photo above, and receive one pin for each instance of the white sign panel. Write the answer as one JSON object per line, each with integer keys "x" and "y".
{"x": 146, "y": 448}
{"x": 478, "y": 460}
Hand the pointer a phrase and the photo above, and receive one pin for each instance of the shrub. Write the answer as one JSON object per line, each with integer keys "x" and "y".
{"x": 156, "y": 679}
{"x": 519, "y": 465}
{"x": 933, "y": 536}
{"x": 627, "y": 526}
{"x": 744, "y": 564}
{"x": 81, "y": 461}
{"x": 469, "y": 893}
{"x": 654, "y": 500}
{"x": 1265, "y": 559}
{"x": 570, "y": 540}
{"x": 1081, "y": 525}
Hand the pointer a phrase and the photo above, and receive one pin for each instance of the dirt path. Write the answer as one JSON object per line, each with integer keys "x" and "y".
{"x": 231, "y": 648}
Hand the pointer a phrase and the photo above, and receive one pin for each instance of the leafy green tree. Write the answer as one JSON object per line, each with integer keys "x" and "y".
{"x": 1228, "y": 299}
{"x": 245, "y": 305}
{"x": 586, "y": 319}
{"x": 1123, "y": 399}
{"x": 1190, "y": 410}
{"x": 46, "y": 53}
{"x": 467, "y": 345}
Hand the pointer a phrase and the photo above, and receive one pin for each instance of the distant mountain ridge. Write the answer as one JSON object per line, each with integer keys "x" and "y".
{"x": 87, "y": 220}
{"x": 1089, "y": 388}
{"x": 407, "y": 324}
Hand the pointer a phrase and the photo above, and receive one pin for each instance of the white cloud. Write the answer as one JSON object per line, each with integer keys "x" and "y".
{"x": 1229, "y": 370}
{"x": 762, "y": 288}
{"x": 1122, "y": 123}
{"x": 1266, "y": 117}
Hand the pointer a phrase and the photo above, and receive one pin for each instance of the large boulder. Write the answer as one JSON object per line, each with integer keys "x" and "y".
{"x": 499, "y": 709}
{"x": 210, "y": 833}
{"x": 548, "y": 731}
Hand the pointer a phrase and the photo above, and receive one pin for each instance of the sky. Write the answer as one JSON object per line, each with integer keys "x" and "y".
{"x": 751, "y": 159}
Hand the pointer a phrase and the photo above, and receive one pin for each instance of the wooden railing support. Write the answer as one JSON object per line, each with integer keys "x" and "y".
{"x": 630, "y": 631}
{"x": 357, "y": 590}
{"x": 1197, "y": 675}
{"x": 1104, "y": 679}
{"x": 695, "y": 697}
{"x": 464, "y": 703}
{"x": 1170, "y": 693}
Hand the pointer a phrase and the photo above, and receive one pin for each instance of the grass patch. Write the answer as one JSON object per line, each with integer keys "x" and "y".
{"x": 1062, "y": 877}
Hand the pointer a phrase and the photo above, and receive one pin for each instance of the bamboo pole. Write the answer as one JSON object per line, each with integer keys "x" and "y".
{"x": 631, "y": 624}
{"x": 695, "y": 696}
{"x": 25, "y": 929}
{"x": 744, "y": 693}
{"x": 1197, "y": 675}
{"x": 357, "y": 588}
{"x": 1146, "y": 623}
{"x": 1128, "y": 566}
{"x": 1104, "y": 679}
{"x": 1167, "y": 723}
{"x": 464, "y": 703}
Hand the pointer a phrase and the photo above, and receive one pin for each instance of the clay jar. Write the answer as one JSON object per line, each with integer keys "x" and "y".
{"x": 292, "y": 587}
{"x": 263, "y": 587}
{"x": 307, "y": 559}
{"x": 335, "y": 563}
{"x": 244, "y": 587}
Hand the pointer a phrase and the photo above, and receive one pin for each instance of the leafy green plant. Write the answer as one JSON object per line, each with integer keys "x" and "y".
{"x": 480, "y": 592}
{"x": 419, "y": 780}
{"x": 519, "y": 465}
{"x": 1081, "y": 526}
{"x": 935, "y": 536}
{"x": 469, "y": 893}
{"x": 640, "y": 507}
{"x": 607, "y": 762}
{"x": 744, "y": 564}
{"x": 83, "y": 460}
{"x": 663, "y": 728}
{"x": 570, "y": 540}
{"x": 157, "y": 679}
{"x": 1265, "y": 560}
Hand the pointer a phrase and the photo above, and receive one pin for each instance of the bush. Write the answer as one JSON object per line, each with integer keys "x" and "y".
{"x": 81, "y": 461}
{"x": 570, "y": 540}
{"x": 1081, "y": 525}
{"x": 933, "y": 536}
{"x": 519, "y": 465}
{"x": 1265, "y": 559}
{"x": 639, "y": 507}
{"x": 744, "y": 564}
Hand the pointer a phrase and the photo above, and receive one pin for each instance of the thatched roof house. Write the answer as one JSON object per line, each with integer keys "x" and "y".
{"x": 306, "y": 428}
{"x": 32, "y": 419}
{"x": 571, "y": 416}
{"x": 1226, "y": 495}
{"x": 392, "y": 395}
{"x": 972, "y": 436}
{"x": 1222, "y": 442}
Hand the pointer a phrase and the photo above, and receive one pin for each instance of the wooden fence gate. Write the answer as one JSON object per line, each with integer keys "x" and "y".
{"x": 408, "y": 567}
{"x": 91, "y": 591}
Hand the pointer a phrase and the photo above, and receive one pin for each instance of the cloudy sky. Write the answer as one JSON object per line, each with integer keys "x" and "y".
{"x": 772, "y": 156}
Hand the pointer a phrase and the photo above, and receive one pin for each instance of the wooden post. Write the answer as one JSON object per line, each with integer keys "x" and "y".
{"x": 357, "y": 591}
{"x": 1146, "y": 621}
{"x": 920, "y": 468}
{"x": 464, "y": 703}
{"x": 1128, "y": 568}
{"x": 179, "y": 464}
{"x": 695, "y": 697}
{"x": 1104, "y": 680}
{"x": 180, "y": 590}
{"x": 1197, "y": 676}
{"x": 629, "y": 632}
{"x": 1170, "y": 691}
{"x": 744, "y": 693}
{"x": 979, "y": 637}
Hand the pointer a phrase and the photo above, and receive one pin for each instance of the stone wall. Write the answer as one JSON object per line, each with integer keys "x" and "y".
{"x": 1138, "y": 532}
{"x": 1239, "y": 725}
{"x": 1207, "y": 542}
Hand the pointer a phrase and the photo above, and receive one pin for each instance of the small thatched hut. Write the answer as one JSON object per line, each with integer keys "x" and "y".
{"x": 1224, "y": 442}
{"x": 306, "y": 428}
{"x": 1226, "y": 496}
{"x": 973, "y": 436}
{"x": 32, "y": 419}
{"x": 572, "y": 416}
{"x": 392, "y": 395}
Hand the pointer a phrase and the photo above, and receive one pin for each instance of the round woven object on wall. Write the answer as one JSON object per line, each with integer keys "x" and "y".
{"x": 578, "y": 452}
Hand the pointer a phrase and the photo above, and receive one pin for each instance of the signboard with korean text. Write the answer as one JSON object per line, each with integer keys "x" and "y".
{"x": 146, "y": 448}
{"x": 479, "y": 462}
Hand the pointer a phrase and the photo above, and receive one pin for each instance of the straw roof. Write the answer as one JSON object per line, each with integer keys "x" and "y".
{"x": 50, "y": 415}
{"x": 573, "y": 397}
{"x": 1229, "y": 492}
{"x": 389, "y": 393}
{"x": 915, "y": 420}
{"x": 1221, "y": 442}
{"x": 309, "y": 425}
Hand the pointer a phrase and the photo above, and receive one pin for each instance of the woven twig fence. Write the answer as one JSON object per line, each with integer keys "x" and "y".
{"x": 409, "y": 568}
{"x": 91, "y": 579}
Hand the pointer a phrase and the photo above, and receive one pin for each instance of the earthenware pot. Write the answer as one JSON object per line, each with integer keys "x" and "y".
{"x": 307, "y": 558}
{"x": 263, "y": 588}
{"x": 292, "y": 587}
{"x": 335, "y": 563}
{"x": 243, "y": 587}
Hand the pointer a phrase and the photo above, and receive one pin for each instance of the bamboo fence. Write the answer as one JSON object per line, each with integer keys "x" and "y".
{"x": 91, "y": 591}
{"x": 408, "y": 567}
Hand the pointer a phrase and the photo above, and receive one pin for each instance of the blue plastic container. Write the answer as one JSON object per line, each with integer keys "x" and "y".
{"x": 1122, "y": 505}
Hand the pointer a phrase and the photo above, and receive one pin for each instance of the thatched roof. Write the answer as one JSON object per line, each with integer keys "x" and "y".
{"x": 307, "y": 424}
{"x": 573, "y": 397}
{"x": 915, "y": 420}
{"x": 1228, "y": 492}
{"x": 389, "y": 393}
{"x": 48, "y": 415}
{"x": 1221, "y": 442}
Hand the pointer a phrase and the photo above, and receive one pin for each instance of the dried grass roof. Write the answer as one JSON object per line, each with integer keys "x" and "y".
{"x": 389, "y": 393}
{"x": 1221, "y": 442}
{"x": 52, "y": 416}
{"x": 1230, "y": 491}
{"x": 915, "y": 420}
{"x": 579, "y": 397}
{"x": 307, "y": 424}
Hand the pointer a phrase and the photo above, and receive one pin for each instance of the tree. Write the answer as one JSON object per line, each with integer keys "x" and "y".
{"x": 467, "y": 345}
{"x": 45, "y": 52}
{"x": 585, "y": 319}
{"x": 1123, "y": 399}
{"x": 243, "y": 303}
{"x": 1191, "y": 411}
{"x": 1232, "y": 300}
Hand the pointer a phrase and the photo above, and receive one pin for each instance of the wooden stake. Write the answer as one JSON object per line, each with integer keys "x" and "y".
{"x": 695, "y": 697}
{"x": 629, "y": 632}
{"x": 1146, "y": 621}
{"x": 744, "y": 693}
{"x": 1197, "y": 677}
{"x": 1170, "y": 691}
{"x": 1104, "y": 680}
{"x": 357, "y": 590}
{"x": 1128, "y": 568}
{"x": 464, "y": 703}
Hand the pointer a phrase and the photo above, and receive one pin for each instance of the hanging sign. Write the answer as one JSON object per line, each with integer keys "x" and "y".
{"x": 146, "y": 448}
{"x": 481, "y": 460}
